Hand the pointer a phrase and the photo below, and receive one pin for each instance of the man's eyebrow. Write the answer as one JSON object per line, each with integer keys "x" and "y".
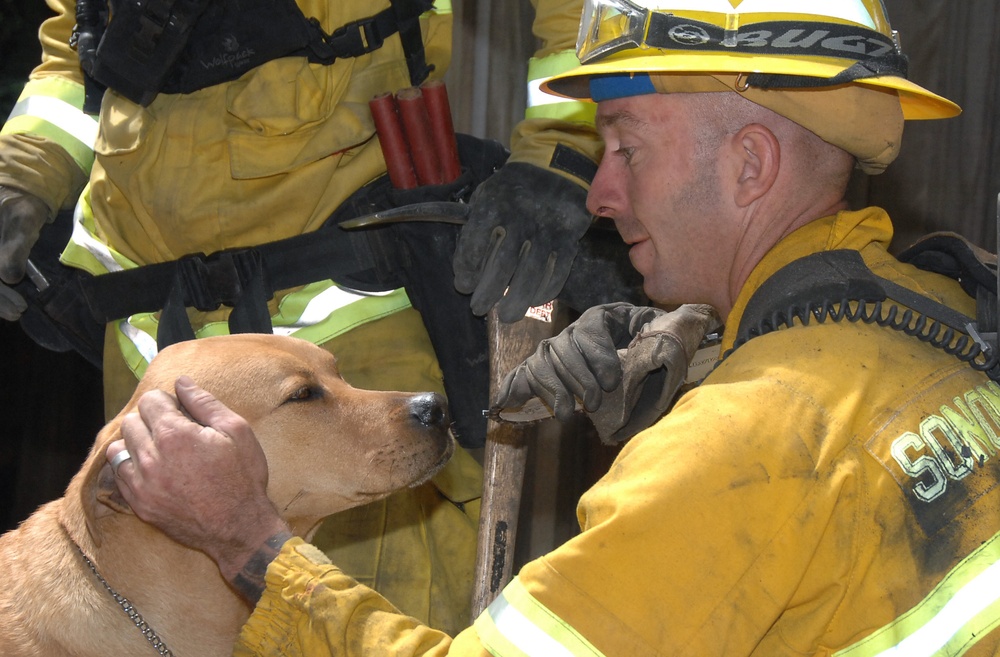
{"x": 619, "y": 118}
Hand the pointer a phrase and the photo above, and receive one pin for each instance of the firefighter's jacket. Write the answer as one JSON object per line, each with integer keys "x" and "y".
{"x": 828, "y": 490}
{"x": 285, "y": 144}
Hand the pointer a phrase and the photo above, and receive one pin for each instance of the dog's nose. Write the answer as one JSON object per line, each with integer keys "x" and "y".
{"x": 431, "y": 410}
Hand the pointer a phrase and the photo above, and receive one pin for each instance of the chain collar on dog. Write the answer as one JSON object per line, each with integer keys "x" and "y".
{"x": 127, "y": 607}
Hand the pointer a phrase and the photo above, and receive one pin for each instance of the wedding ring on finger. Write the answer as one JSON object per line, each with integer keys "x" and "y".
{"x": 118, "y": 459}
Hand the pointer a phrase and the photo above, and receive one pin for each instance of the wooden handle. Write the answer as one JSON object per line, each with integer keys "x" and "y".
{"x": 504, "y": 464}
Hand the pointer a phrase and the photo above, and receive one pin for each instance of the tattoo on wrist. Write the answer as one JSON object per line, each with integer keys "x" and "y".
{"x": 249, "y": 581}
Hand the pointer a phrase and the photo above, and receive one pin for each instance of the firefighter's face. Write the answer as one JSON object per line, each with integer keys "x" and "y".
{"x": 662, "y": 185}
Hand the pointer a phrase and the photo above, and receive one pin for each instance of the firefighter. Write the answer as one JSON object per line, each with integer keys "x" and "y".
{"x": 829, "y": 489}
{"x": 219, "y": 135}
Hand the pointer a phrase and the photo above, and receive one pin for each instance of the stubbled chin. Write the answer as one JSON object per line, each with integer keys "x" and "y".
{"x": 643, "y": 260}
{"x": 639, "y": 254}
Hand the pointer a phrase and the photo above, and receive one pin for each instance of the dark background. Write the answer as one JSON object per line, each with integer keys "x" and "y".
{"x": 50, "y": 404}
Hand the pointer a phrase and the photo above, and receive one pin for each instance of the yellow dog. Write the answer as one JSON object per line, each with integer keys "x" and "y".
{"x": 83, "y": 571}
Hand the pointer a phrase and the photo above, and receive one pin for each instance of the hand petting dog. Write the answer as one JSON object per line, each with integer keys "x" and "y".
{"x": 202, "y": 481}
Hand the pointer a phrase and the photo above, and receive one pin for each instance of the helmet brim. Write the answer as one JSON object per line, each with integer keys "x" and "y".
{"x": 917, "y": 103}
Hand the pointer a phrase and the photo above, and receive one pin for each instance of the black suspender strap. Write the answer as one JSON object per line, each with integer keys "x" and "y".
{"x": 181, "y": 46}
{"x": 838, "y": 285}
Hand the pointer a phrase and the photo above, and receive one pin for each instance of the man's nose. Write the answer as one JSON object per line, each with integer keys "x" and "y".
{"x": 601, "y": 197}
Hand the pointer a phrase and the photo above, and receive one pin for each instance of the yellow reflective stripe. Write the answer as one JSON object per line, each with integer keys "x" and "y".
{"x": 318, "y": 313}
{"x": 442, "y": 7}
{"x": 518, "y": 625}
{"x": 960, "y": 610}
{"x": 84, "y": 250}
{"x": 52, "y": 108}
{"x": 543, "y": 105}
{"x": 321, "y": 311}
{"x": 137, "y": 341}
{"x": 573, "y": 111}
{"x": 546, "y": 67}
{"x": 495, "y": 642}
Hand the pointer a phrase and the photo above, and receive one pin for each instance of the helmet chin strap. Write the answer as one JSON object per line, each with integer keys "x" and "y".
{"x": 888, "y": 64}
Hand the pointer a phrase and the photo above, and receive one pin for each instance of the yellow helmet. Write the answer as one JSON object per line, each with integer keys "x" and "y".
{"x": 766, "y": 44}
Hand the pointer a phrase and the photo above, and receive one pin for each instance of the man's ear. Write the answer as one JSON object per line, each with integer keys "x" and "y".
{"x": 758, "y": 156}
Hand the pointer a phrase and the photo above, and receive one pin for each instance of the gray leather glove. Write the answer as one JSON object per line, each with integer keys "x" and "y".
{"x": 520, "y": 239}
{"x": 624, "y": 363}
{"x": 22, "y": 216}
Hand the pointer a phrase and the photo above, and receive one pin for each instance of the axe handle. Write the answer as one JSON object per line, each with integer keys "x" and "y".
{"x": 504, "y": 463}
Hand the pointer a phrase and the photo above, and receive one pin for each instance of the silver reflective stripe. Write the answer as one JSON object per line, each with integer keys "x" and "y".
{"x": 85, "y": 240}
{"x": 971, "y": 599}
{"x": 542, "y": 68}
{"x": 537, "y": 97}
{"x": 960, "y": 610}
{"x": 543, "y": 105}
{"x": 324, "y": 304}
{"x": 524, "y": 634}
{"x": 60, "y": 114}
{"x": 516, "y": 624}
{"x": 327, "y": 311}
{"x": 143, "y": 342}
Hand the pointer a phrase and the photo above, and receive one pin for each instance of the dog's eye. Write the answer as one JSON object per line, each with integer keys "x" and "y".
{"x": 305, "y": 393}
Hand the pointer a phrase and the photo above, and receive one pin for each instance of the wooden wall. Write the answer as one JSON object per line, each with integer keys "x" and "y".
{"x": 486, "y": 81}
{"x": 947, "y": 176}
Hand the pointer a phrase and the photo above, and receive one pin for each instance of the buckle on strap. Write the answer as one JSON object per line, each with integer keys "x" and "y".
{"x": 357, "y": 38}
{"x": 234, "y": 278}
{"x": 219, "y": 279}
{"x": 354, "y": 39}
{"x": 365, "y": 35}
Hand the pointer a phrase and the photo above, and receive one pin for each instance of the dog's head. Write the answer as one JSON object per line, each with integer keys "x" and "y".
{"x": 329, "y": 446}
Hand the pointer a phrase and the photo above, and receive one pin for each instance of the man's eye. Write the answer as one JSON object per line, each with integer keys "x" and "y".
{"x": 626, "y": 152}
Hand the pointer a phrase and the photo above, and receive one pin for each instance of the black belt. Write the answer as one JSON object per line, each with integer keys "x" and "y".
{"x": 246, "y": 278}
{"x": 241, "y": 278}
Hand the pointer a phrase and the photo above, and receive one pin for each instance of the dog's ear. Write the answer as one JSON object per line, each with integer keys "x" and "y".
{"x": 99, "y": 488}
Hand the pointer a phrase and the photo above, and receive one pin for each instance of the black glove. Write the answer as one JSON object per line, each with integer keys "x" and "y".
{"x": 624, "y": 362}
{"x": 22, "y": 216}
{"x": 519, "y": 242}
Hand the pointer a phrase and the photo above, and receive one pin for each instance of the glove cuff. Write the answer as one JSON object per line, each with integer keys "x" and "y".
{"x": 536, "y": 141}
